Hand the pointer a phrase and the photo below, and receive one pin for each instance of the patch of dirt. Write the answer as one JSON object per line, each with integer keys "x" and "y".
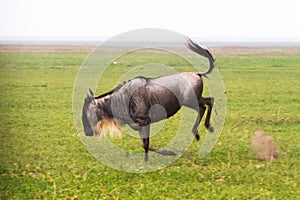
{"x": 42, "y": 48}
{"x": 223, "y": 50}
{"x": 256, "y": 50}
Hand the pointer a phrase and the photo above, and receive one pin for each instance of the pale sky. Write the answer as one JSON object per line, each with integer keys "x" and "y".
{"x": 93, "y": 19}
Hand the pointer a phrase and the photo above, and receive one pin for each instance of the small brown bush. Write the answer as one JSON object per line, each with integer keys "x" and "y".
{"x": 264, "y": 147}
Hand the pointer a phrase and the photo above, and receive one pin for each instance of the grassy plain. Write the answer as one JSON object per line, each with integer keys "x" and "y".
{"x": 42, "y": 157}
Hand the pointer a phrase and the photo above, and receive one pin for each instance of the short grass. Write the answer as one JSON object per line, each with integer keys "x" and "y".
{"x": 42, "y": 156}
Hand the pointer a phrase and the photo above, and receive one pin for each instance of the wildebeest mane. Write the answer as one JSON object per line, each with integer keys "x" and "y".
{"x": 143, "y": 77}
{"x": 121, "y": 85}
{"x": 112, "y": 91}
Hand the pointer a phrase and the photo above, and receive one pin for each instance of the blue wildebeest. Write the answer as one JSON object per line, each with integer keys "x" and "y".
{"x": 142, "y": 101}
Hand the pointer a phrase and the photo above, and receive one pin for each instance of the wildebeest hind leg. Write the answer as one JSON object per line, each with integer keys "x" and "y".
{"x": 199, "y": 117}
{"x": 209, "y": 102}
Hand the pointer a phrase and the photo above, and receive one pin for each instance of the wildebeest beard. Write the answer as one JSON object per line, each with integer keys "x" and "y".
{"x": 110, "y": 126}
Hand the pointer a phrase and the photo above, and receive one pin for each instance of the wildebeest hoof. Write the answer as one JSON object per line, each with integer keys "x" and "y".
{"x": 146, "y": 157}
{"x": 197, "y": 136}
{"x": 211, "y": 129}
{"x": 167, "y": 153}
{"x": 170, "y": 153}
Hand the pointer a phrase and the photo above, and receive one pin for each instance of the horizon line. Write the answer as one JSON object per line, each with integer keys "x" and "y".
{"x": 89, "y": 41}
{"x": 103, "y": 38}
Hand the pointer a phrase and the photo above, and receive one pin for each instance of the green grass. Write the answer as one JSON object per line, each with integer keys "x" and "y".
{"x": 42, "y": 156}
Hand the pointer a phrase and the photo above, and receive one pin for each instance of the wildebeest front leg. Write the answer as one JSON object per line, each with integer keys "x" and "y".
{"x": 145, "y": 134}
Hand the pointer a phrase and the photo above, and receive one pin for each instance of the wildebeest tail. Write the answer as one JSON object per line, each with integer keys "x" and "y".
{"x": 203, "y": 52}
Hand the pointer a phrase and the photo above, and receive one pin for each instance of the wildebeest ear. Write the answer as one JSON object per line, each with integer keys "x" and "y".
{"x": 92, "y": 93}
{"x": 92, "y": 97}
{"x": 89, "y": 97}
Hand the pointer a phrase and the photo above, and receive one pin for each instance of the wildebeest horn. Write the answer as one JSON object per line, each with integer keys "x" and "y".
{"x": 92, "y": 93}
{"x": 92, "y": 96}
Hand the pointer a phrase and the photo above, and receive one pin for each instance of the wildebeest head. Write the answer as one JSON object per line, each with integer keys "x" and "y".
{"x": 97, "y": 118}
{"x": 89, "y": 117}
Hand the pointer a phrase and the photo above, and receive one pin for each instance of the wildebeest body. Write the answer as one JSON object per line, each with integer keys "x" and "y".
{"x": 142, "y": 101}
{"x": 146, "y": 97}
{"x": 169, "y": 93}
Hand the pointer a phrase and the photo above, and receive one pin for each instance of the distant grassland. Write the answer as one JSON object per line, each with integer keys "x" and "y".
{"x": 42, "y": 156}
